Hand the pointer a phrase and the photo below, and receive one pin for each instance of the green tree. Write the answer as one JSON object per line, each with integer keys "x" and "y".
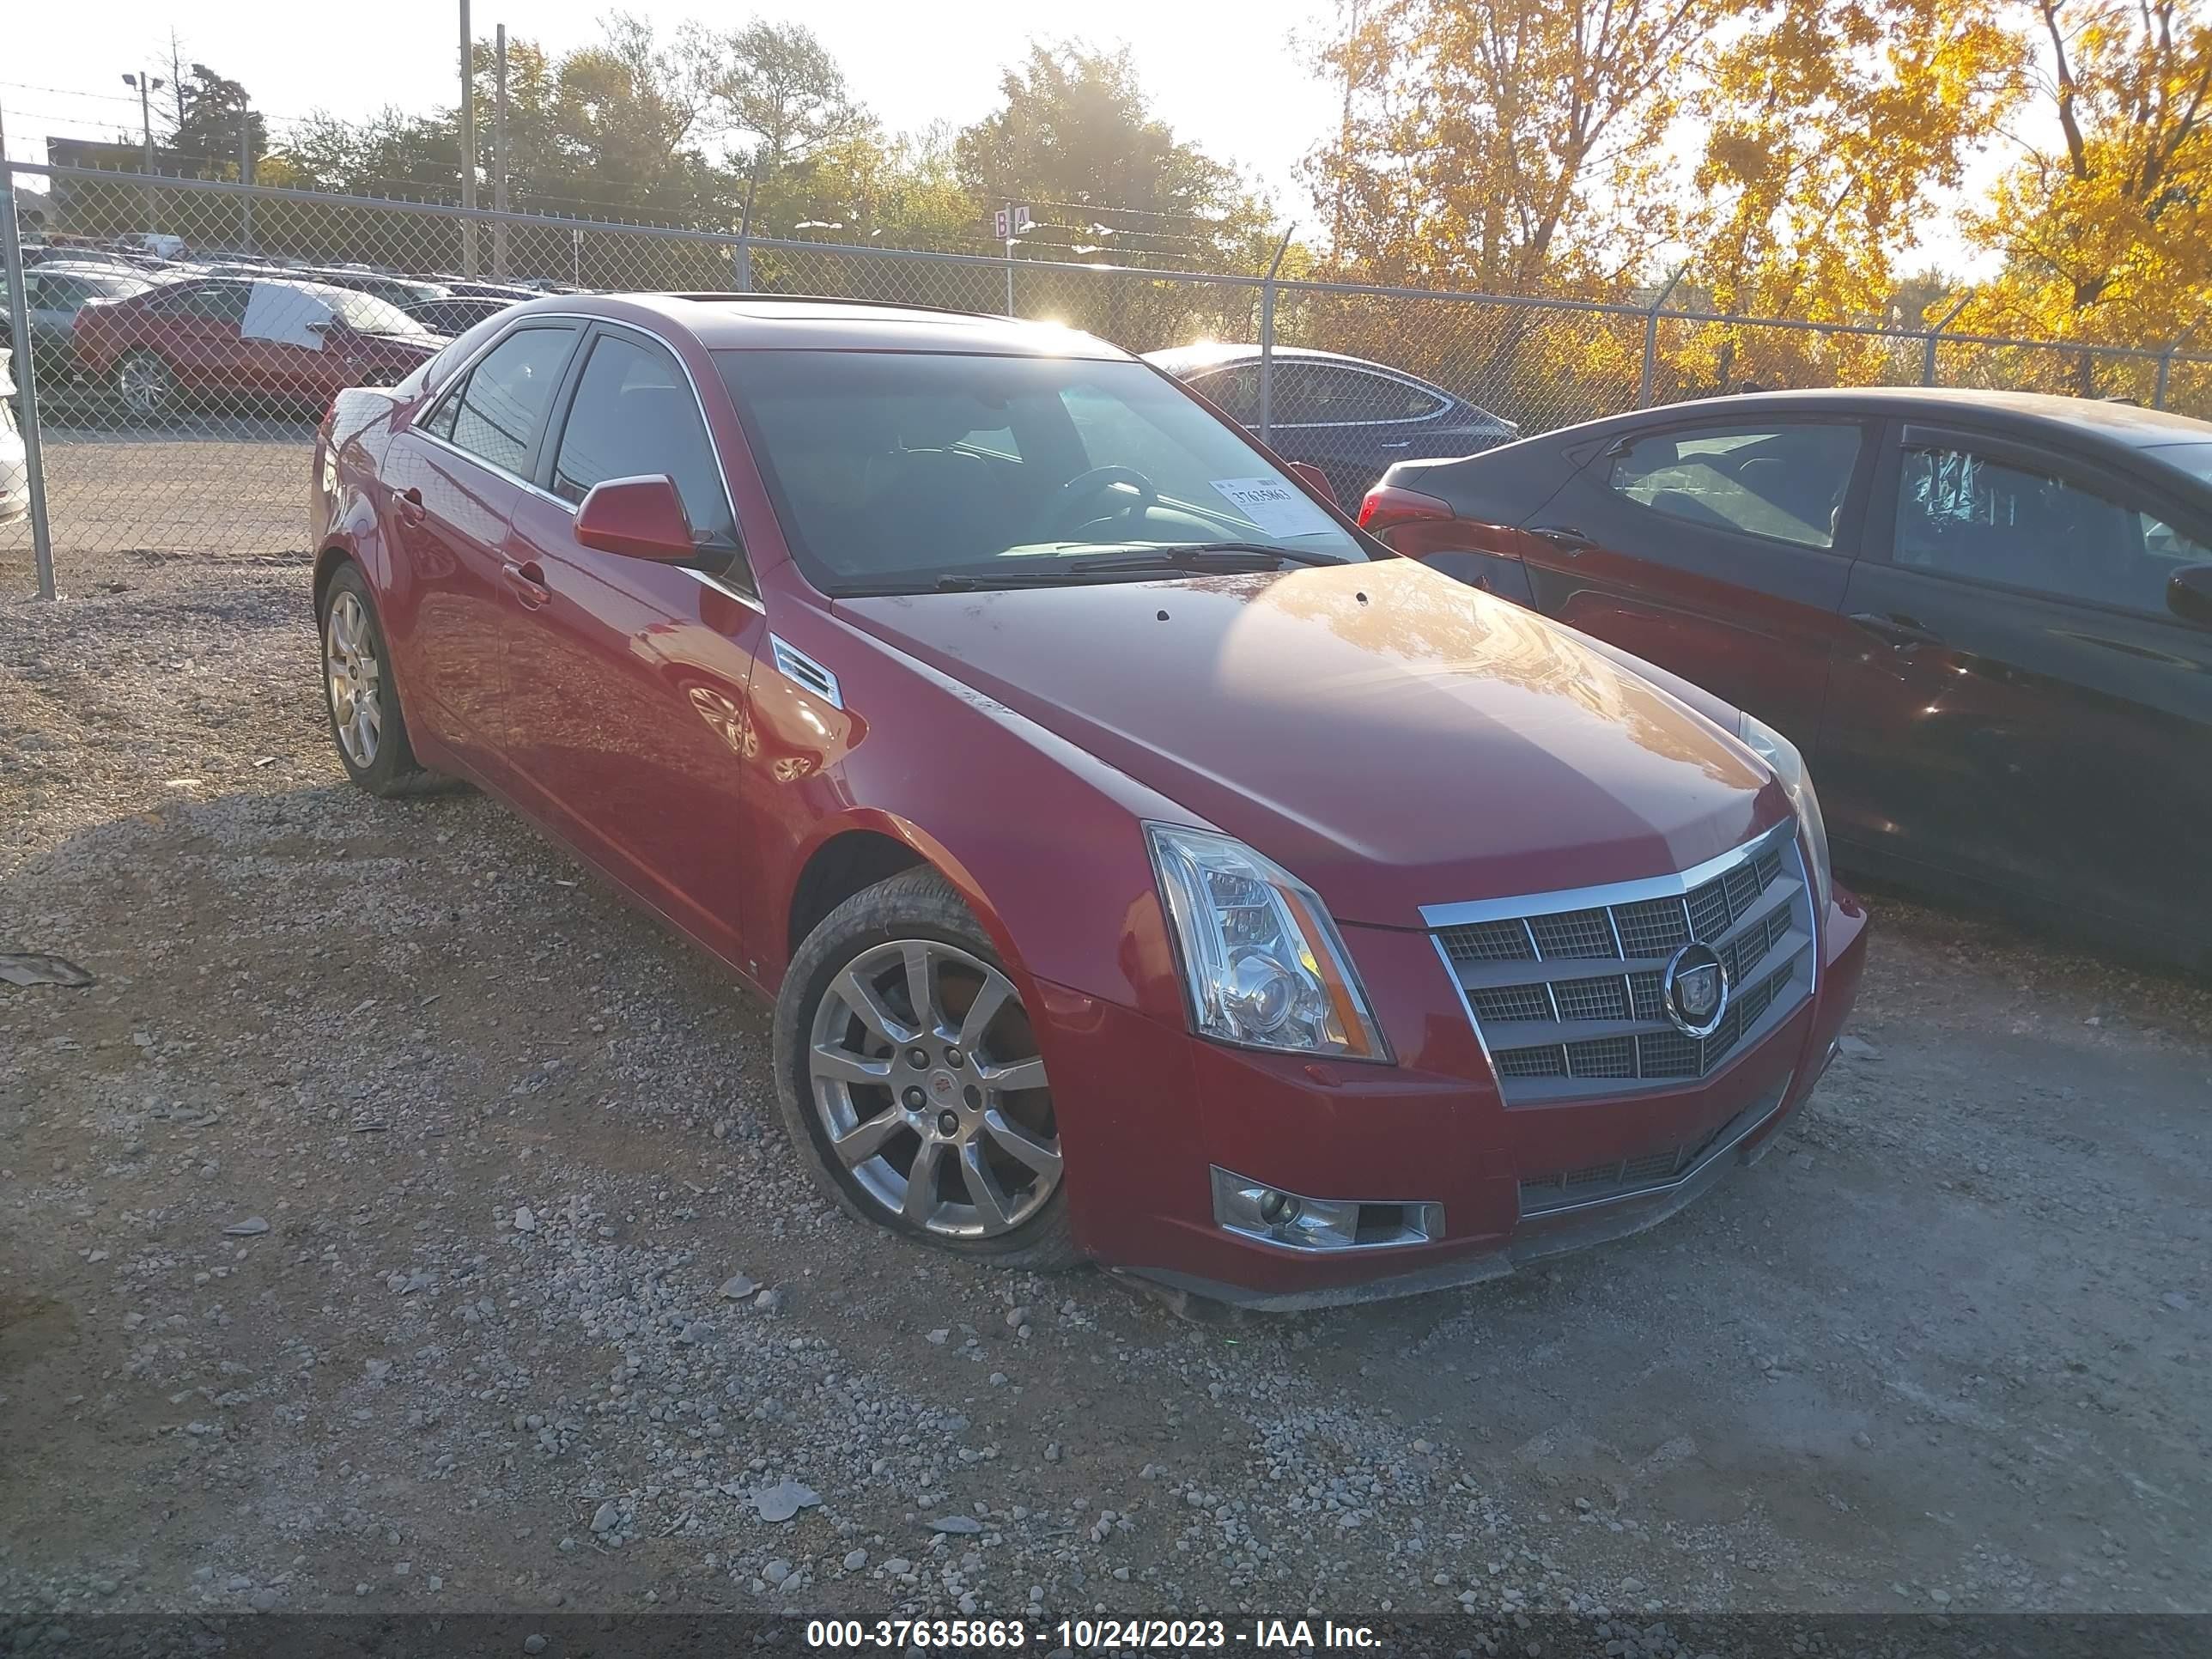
{"x": 213, "y": 113}
{"x": 1077, "y": 138}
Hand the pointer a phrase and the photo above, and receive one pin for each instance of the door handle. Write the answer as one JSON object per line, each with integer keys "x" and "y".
{"x": 410, "y": 509}
{"x": 1899, "y": 633}
{"x": 528, "y": 582}
{"x": 1565, "y": 537}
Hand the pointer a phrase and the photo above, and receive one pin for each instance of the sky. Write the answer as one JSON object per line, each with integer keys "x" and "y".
{"x": 1228, "y": 74}
{"x": 1223, "y": 75}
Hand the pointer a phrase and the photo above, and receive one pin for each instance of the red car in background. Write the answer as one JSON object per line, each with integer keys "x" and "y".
{"x": 1144, "y": 865}
{"x": 1987, "y": 618}
{"x": 279, "y": 344}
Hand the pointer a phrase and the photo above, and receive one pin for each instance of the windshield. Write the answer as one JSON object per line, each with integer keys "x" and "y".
{"x": 908, "y": 471}
{"x": 365, "y": 313}
{"x": 2195, "y": 460}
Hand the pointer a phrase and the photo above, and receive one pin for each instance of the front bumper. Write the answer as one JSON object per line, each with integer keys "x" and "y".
{"x": 1147, "y": 1113}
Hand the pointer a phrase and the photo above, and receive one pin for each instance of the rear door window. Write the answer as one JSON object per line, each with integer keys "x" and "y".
{"x": 1786, "y": 484}
{"x": 1335, "y": 394}
{"x": 218, "y": 301}
{"x": 495, "y": 413}
{"x": 1971, "y": 516}
{"x": 633, "y": 414}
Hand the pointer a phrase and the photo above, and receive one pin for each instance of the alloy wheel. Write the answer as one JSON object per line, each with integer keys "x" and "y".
{"x": 926, "y": 1077}
{"x": 144, "y": 384}
{"x": 355, "y": 675}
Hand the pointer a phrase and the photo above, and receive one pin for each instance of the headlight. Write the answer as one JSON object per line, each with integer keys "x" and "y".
{"x": 1779, "y": 752}
{"x": 1261, "y": 961}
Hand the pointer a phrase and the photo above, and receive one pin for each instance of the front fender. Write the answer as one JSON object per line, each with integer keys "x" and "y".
{"x": 1043, "y": 840}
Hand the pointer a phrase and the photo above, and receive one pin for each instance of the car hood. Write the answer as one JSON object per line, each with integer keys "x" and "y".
{"x": 1389, "y": 735}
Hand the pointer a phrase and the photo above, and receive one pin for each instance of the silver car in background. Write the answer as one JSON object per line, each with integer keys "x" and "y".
{"x": 14, "y": 466}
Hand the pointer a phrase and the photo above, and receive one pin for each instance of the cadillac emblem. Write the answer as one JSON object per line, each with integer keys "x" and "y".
{"x": 1695, "y": 990}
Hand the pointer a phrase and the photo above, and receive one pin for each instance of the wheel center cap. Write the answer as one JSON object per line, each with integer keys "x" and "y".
{"x": 942, "y": 1085}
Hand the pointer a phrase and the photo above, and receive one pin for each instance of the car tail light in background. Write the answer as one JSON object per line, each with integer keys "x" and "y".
{"x": 1388, "y": 505}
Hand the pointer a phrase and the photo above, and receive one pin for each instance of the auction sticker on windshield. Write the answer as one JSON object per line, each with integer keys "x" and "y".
{"x": 1277, "y": 507}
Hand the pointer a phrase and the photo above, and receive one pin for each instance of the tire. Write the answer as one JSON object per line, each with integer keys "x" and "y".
{"x": 360, "y": 698}
{"x": 147, "y": 385}
{"x": 987, "y": 1113}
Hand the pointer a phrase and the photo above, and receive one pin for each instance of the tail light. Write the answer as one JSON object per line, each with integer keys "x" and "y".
{"x": 1386, "y": 505}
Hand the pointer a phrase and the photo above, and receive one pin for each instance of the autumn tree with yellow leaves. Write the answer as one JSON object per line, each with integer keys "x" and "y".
{"x": 2105, "y": 223}
{"x": 1784, "y": 157}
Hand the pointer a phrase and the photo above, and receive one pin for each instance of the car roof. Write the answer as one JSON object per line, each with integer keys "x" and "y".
{"x": 1214, "y": 353}
{"x": 2040, "y": 415}
{"x": 814, "y": 323}
{"x": 87, "y": 268}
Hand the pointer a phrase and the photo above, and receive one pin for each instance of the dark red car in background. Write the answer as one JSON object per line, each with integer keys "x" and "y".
{"x": 234, "y": 340}
{"x": 1144, "y": 865}
{"x": 1986, "y": 617}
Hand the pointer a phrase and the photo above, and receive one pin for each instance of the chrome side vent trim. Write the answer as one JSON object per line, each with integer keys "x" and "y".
{"x": 803, "y": 671}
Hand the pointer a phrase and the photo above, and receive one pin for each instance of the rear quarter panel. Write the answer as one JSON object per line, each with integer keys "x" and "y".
{"x": 1490, "y": 495}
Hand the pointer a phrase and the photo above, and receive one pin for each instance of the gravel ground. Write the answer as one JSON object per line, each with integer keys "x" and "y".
{"x": 401, "y": 1223}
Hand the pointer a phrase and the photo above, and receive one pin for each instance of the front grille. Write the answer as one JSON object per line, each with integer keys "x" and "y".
{"x": 1557, "y": 1025}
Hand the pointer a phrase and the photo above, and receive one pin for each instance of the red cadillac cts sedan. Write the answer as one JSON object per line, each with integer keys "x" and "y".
{"x": 1145, "y": 865}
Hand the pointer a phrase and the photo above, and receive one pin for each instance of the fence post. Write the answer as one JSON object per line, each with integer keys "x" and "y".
{"x": 2165, "y": 361}
{"x": 19, "y": 324}
{"x": 1651, "y": 339}
{"x": 1268, "y": 339}
{"x": 1927, "y": 351}
{"x": 745, "y": 249}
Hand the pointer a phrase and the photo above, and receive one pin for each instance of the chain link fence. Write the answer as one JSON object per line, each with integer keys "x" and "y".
{"x": 174, "y": 399}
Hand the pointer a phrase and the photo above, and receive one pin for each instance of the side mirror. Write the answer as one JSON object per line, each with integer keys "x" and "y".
{"x": 640, "y": 517}
{"x": 1315, "y": 479}
{"x": 2189, "y": 593}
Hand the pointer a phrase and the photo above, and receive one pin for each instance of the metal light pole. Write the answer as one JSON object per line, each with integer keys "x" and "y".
{"x": 499, "y": 159}
{"x": 245, "y": 177}
{"x": 148, "y": 85}
{"x": 468, "y": 146}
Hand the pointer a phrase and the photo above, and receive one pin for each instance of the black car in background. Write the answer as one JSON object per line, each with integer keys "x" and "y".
{"x": 1348, "y": 416}
{"x": 456, "y": 314}
{"x": 1985, "y": 618}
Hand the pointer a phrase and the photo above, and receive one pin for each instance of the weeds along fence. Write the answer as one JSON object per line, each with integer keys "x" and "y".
{"x": 192, "y": 437}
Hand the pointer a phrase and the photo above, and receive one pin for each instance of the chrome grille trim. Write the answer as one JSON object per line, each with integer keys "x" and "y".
{"x": 1564, "y": 988}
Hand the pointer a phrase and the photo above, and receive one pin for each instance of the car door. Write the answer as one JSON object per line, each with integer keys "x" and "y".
{"x": 453, "y": 479}
{"x": 1718, "y": 549}
{"x": 195, "y": 331}
{"x": 2019, "y": 708}
{"x": 287, "y": 351}
{"x": 52, "y": 302}
{"x": 632, "y": 676}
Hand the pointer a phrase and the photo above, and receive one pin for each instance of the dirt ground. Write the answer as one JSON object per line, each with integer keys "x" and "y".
{"x": 366, "y": 1235}
{"x": 229, "y": 487}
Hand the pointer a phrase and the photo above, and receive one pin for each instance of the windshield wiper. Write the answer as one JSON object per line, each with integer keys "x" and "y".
{"x": 1200, "y": 556}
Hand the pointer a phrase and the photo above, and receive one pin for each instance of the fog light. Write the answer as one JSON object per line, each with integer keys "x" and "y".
{"x": 1258, "y": 1211}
